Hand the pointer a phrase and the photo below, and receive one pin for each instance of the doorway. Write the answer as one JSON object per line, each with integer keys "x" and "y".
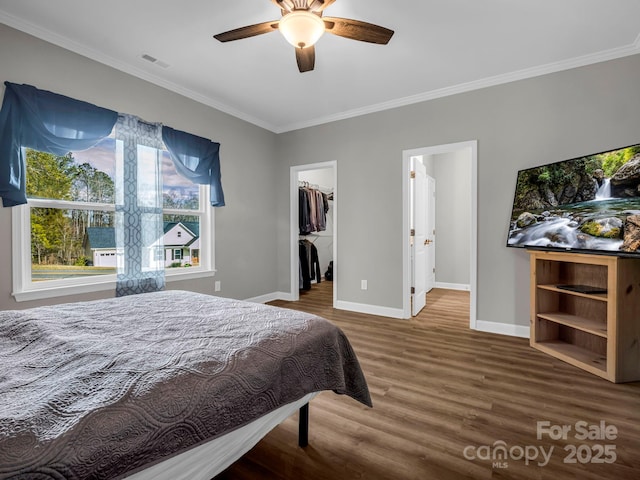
{"x": 439, "y": 160}
{"x": 321, "y": 177}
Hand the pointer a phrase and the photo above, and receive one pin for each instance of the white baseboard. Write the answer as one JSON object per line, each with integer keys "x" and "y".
{"x": 453, "y": 286}
{"x": 270, "y": 297}
{"x": 502, "y": 328}
{"x": 481, "y": 325}
{"x": 370, "y": 309}
{"x": 350, "y": 306}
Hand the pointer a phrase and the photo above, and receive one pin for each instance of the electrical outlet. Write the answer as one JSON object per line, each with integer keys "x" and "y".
{"x": 217, "y": 286}
{"x": 363, "y": 284}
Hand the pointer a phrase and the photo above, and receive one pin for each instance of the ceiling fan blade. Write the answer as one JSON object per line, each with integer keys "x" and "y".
{"x": 320, "y": 5}
{"x": 357, "y": 30}
{"x": 248, "y": 31}
{"x": 306, "y": 58}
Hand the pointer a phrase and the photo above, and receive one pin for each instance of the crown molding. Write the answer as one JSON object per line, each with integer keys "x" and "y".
{"x": 92, "y": 54}
{"x": 523, "y": 74}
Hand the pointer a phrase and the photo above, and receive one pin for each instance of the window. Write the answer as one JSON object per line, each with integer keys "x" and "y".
{"x": 76, "y": 200}
{"x": 64, "y": 238}
{"x": 177, "y": 254}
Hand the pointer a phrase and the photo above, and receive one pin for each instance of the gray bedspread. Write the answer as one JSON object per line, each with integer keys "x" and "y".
{"x": 98, "y": 389}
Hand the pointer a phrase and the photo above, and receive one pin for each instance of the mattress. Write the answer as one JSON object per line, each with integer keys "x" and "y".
{"x": 208, "y": 460}
{"x": 104, "y": 388}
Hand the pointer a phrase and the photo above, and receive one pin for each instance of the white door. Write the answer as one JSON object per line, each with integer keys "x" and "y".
{"x": 431, "y": 233}
{"x": 419, "y": 238}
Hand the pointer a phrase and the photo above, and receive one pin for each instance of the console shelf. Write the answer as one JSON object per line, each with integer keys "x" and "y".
{"x": 571, "y": 353}
{"x": 594, "y": 327}
{"x": 598, "y": 332}
{"x": 596, "y": 296}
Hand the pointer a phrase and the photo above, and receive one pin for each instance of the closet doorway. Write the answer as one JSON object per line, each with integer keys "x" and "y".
{"x": 319, "y": 179}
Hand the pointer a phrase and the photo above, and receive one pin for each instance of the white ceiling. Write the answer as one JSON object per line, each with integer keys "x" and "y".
{"x": 440, "y": 47}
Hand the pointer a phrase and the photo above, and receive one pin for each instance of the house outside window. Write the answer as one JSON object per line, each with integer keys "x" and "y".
{"x": 159, "y": 254}
{"x": 64, "y": 240}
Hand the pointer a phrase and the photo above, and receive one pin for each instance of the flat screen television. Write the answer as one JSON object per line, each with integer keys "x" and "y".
{"x": 588, "y": 204}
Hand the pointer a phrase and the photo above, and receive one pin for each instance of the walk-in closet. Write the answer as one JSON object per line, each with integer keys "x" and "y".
{"x": 315, "y": 228}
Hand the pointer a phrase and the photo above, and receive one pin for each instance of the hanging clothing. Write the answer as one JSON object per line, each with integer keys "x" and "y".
{"x": 304, "y": 212}
{"x": 321, "y": 213}
{"x": 309, "y": 264}
{"x": 313, "y": 206}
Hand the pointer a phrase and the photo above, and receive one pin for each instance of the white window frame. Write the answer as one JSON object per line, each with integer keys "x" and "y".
{"x": 25, "y": 290}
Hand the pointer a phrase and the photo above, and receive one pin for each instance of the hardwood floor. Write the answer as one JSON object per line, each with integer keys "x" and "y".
{"x": 439, "y": 390}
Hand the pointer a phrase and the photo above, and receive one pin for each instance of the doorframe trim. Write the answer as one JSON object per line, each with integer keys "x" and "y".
{"x": 473, "y": 236}
{"x": 294, "y": 228}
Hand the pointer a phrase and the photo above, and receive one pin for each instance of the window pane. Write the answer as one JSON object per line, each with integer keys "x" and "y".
{"x": 181, "y": 241}
{"x": 148, "y": 177}
{"x": 177, "y": 191}
{"x": 49, "y": 176}
{"x": 86, "y": 176}
{"x": 71, "y": 243}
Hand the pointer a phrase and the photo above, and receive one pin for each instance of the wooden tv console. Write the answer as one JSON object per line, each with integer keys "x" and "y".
{"x": 598, "y": 332}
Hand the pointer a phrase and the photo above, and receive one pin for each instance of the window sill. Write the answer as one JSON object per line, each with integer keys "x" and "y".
{"x": 97, "y": 286}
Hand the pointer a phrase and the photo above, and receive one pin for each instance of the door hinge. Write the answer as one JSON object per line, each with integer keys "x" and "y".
{"x": 412, "y": 233}
{"x": 434, "y": 269}
{"x": 412, "y": 174}
{"x": 413, "y": 290}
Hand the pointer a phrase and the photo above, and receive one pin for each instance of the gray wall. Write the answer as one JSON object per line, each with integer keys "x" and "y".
{"x": 245, "y": 266}
{"x": 517, "y": 125}
{"x": 452, "y": 172}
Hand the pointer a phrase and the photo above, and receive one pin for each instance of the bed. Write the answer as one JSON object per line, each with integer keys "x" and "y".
{"x": 170, "y": 383}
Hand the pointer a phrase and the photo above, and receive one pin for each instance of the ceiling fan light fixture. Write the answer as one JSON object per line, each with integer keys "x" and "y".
{"x": 301, "y": 28}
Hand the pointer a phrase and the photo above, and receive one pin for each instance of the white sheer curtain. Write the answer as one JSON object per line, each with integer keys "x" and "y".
{"x": 139, "y": 221}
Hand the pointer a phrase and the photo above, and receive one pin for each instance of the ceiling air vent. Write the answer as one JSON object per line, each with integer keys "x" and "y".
{"x": 154, "y": 60}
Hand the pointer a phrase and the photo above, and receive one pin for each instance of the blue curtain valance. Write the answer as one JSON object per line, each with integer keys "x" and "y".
{"x": 44, "y": 121}
{"x": 197, "y": 159}
{"x": 57, "y": 124}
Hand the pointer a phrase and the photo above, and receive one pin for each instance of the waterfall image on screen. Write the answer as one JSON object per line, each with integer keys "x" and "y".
{"x": 589, "y": 204}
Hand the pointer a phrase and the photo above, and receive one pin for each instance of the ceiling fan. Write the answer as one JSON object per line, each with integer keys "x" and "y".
{"x": 302, "y": 24}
